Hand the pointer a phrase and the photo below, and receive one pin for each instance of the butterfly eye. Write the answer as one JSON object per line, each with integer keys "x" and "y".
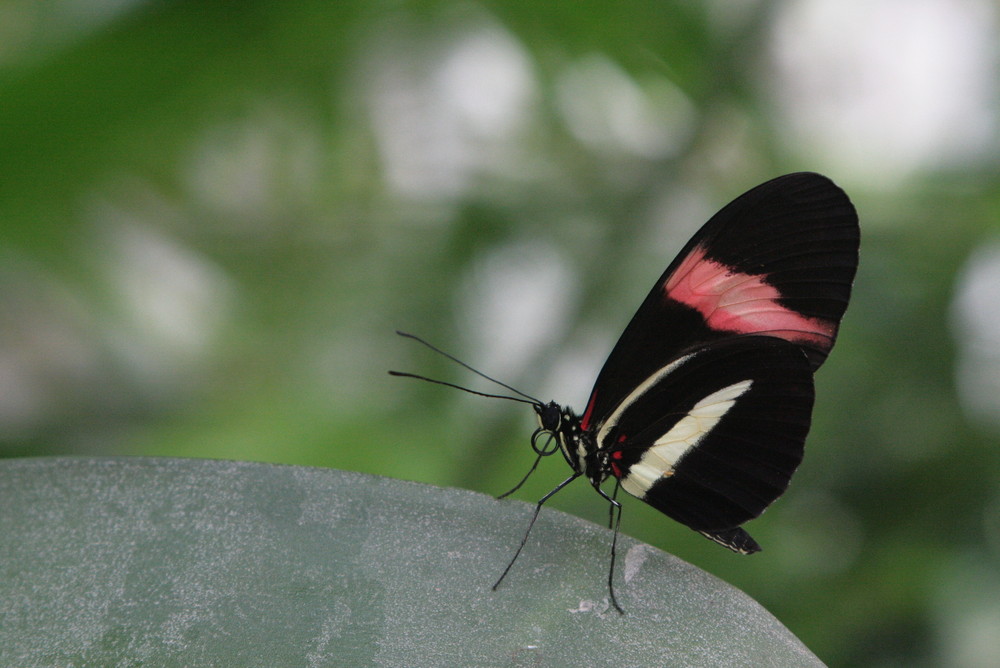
{"x": 549, "y": 416}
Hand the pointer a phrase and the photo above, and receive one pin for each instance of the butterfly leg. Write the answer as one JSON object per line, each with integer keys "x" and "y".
{"x": 538, "y": 508}
{"x": 543, "y": 451}
{"x": 611, "y": 506}
{"x": 614, "y": 522}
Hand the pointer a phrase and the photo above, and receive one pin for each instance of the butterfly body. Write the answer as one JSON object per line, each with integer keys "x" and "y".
{"x": 703, "y": 406}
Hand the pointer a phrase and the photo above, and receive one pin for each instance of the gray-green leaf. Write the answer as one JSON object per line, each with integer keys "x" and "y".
{"x": 127, "y": 562}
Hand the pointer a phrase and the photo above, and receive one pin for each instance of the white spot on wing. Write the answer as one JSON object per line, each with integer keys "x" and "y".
{"x": 659, "y": 460}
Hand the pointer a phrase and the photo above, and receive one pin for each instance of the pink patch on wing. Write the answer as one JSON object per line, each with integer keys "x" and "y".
{"x": 741, "y": 303}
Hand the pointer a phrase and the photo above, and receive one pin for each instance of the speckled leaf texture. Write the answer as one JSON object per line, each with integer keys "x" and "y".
{"x": 137, "y": 561}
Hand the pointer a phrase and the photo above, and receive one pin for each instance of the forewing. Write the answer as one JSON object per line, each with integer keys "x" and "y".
{"x": 713, "y": 438}
{"x": 777, "y": 261}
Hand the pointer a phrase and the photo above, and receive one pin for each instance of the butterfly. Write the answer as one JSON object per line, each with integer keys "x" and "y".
{"x": 703, "y": 406}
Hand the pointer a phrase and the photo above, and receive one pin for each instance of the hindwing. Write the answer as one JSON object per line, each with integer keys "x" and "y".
{"x": 714, "y": 437}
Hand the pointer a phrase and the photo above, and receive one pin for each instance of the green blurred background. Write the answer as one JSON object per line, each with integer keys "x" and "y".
{"x": 214, "y": 214}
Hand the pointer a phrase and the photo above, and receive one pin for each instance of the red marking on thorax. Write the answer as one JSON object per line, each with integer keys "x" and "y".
{"x": 741, "y": 303}
{"x": 587, "y": 414}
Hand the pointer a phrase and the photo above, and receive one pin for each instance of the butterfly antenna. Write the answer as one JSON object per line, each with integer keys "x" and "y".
{"x": 530, "y": 399}
{"x": 404, "y": 374}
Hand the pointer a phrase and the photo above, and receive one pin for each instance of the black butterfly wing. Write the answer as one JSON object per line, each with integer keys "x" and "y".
{"x": 778, "y": 261}
{"x": 713, "y": 438}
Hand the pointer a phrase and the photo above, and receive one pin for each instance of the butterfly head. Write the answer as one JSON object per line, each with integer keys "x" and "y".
{"x": 550, "y": 416}
{"x": 561, "y": 425}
